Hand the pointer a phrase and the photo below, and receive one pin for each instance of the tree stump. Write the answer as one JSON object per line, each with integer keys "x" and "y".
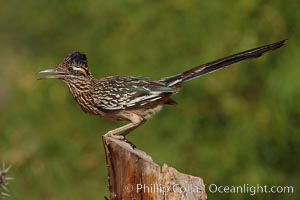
{"x": 133, "y": 175}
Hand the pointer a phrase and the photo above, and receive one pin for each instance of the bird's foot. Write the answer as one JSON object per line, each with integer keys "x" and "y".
{"x": 120, "y": 137}
{"x": 130, "y": 143}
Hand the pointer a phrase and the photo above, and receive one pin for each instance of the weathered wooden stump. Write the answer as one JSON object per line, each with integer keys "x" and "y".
{"x": 133, "y": 175}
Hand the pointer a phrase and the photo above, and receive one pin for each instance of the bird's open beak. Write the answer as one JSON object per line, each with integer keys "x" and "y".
{"x": 56, "y": 74}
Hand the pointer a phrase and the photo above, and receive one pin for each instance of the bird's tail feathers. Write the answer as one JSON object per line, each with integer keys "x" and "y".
{"x": 179, "y": 79}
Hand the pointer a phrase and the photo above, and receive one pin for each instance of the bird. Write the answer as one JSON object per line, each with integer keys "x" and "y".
{"x": 129, "y": 98}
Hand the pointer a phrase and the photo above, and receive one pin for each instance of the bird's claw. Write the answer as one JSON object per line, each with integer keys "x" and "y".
{"x": 128, "y": 142}
{"x": 120, "y": 137}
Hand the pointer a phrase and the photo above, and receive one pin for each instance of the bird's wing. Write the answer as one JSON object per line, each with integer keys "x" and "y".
{"x": 117, "y": 93}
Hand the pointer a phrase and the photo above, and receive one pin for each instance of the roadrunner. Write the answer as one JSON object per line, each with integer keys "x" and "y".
{"x": 128, "y": 98}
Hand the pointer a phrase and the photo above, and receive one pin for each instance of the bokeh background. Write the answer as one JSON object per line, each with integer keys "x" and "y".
{"x": 237, "y": 126}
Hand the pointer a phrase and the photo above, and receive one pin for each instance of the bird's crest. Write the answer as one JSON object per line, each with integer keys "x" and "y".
{"x": 76, "y": 58}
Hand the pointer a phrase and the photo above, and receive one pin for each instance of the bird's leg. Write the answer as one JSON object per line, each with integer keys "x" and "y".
{"x": 136, "y": 121}
{"x": 127, "y": 128}
{"x": 126, "y": 132}
{"x": 114, "y": 133}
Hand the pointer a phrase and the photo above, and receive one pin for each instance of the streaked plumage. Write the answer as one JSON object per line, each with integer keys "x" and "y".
{"x": 130, "y": 98}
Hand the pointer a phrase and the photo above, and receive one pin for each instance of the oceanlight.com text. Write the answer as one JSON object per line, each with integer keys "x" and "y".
{"x": 250, "y": 189}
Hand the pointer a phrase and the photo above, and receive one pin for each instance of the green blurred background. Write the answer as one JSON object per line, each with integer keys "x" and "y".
{"x": 237, "y": 126}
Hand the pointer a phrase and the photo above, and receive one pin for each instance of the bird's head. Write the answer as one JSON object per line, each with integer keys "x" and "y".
{"x": 74, "y": 65}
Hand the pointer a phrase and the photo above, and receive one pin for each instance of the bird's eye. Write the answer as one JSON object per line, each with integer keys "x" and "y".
{"x": 70, "y": 69}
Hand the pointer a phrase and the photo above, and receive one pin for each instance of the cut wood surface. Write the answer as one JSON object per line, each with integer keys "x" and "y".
{"x": 133, "y": 175}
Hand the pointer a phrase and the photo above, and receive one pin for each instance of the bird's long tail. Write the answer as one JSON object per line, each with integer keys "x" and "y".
{"x": 179, "y": 79}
